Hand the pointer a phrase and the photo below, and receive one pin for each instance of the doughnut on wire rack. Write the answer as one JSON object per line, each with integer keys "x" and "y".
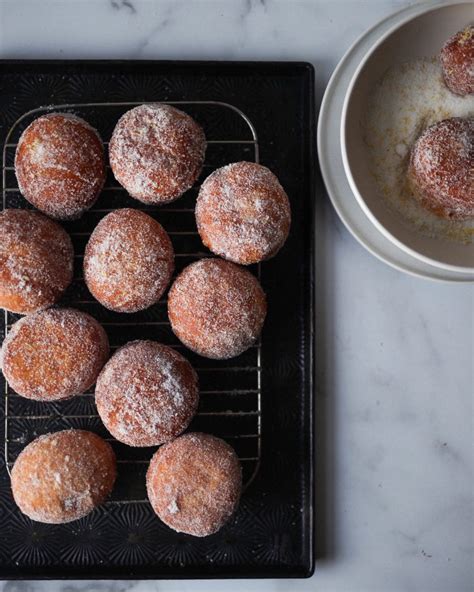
{"x": 230, "y": 390}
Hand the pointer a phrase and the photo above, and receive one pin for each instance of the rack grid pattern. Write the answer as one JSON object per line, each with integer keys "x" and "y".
{"x": 230, "y": 404}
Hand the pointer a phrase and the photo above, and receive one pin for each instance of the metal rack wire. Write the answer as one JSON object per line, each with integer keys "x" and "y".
{"x": 230, "y": 391}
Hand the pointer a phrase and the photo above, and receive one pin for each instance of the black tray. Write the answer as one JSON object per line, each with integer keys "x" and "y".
{"x": 262, "y": 402}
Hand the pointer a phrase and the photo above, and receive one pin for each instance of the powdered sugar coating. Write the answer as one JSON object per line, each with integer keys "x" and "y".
{"x": 36, "y": 261}
{"x": 441, "y": 168}
{"x": 146, "y": 394}
{"x": 243, "y": 213}
{"x": 63, "y": 476}
{"x": 216, "y": 308}
{"x": 60, "y": 165}
{"x": 54, "y": 354}
{"x": 129, "y": 261}
{"x": 157, "y": 152}
{"x": 457, "y": 62}
{"x": 194, "y": 483}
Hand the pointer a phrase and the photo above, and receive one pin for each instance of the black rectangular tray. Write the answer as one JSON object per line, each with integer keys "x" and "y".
{"x": 261, "y": 402}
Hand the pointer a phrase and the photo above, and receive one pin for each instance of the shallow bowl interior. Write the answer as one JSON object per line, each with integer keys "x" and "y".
{"x": 422, "y": 36}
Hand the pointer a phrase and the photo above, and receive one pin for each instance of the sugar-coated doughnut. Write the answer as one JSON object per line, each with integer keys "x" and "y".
{"x": 194, "y": 483}
{"x": 36, "y": 261}
{"x": 216, "y": 308}
{"x": 54, "y": 354}
{"x": 440, "y": 171}
{"x": 157, "y": 152}
{"x": 129, "y": 261}
{"x": 60, "y": 165}
{"x": 146, "y": 394}
{"x": 457, "y": 62}
{"x": 63, "y": 476}
{"x": 243, "y": 213}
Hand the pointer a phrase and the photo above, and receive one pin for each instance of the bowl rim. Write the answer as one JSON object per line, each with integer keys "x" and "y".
{"x": 345, "y": 158}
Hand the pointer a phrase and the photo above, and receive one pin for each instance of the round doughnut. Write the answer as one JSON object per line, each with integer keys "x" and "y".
{"x": 440, "y": 168}
{"x": 156, "y": 152}
{"x": 36, "y": 261}
{"x": 63, "y": 476}
{"x": 194, "y": 483}
{"x": 243, "y": 213}
{"x": 129, "y": 261}
{"x": 457, "y": 62}
{"x": 54, "y": 354}
{"x": 216, "y": 308}
{"x": 146, "y": 394}
{"x": 60, "y": 165}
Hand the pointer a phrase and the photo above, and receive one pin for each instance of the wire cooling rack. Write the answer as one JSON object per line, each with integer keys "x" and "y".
{"x": 230, "y": 404}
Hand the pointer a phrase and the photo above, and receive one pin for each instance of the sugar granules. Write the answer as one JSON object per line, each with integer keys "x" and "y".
{"x": 409, "y": 98}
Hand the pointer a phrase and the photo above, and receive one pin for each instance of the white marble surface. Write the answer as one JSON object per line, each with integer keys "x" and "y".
{"x": 395, "y": 353}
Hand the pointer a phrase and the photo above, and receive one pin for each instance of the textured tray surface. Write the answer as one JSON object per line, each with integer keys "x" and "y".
{"x": 271, "y": 534}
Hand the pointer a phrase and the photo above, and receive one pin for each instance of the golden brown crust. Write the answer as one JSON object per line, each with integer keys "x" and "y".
{"x": 129, "y": 261}
{"x": 54, "y": 354}
{"x": 146, "y": 394}
{"x": 36, "y": 261}
{"x": 63, "y": 476}
{"x": 60, "y": 165}
{"x": 243, "y": 213}
{"x": 157, "y": 152}
{"x": 216, "y": 308}
{"x": 194, "y": 483}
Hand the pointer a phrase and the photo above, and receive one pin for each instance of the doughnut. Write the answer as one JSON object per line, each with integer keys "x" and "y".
{"x": 60, "y": 165}
{"x": 54, "y": 354}
{"x": 146, "y": 394}
{"x": 156, "y": 152}
{"x": 129, "y": 261}
{"x": 457, "y": 62}
{"x": 440, "y": 168}
{"x": 194, "y": 483}
{"x": 243, "y": 213}
{"x": 36, "y": 261}
{"x": 63, "y": 476}
{"x": 216, "y": 308}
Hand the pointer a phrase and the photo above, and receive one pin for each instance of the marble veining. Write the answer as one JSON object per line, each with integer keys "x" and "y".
{"x": 395, "y": 353}
{"x": 119, "y": 4}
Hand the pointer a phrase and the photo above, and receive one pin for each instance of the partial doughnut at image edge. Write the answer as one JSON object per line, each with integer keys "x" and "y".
{"x": 36, "y": 261}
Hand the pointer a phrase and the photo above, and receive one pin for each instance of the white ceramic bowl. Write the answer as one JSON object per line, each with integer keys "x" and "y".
{"x": 412, "y": 38}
